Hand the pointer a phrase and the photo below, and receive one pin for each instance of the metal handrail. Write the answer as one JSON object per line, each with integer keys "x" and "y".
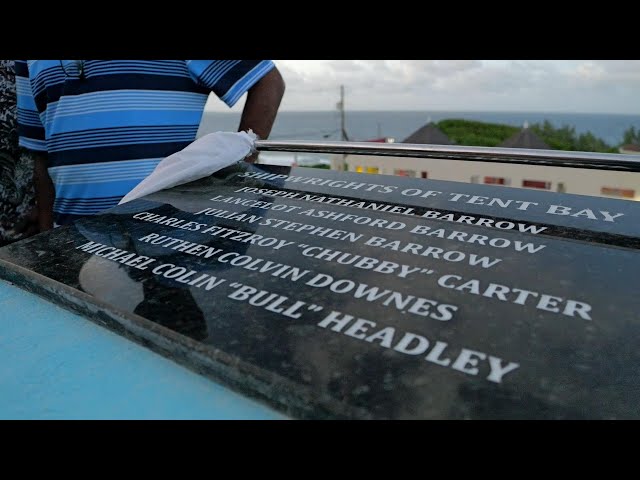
{"x": 554, "y": 158}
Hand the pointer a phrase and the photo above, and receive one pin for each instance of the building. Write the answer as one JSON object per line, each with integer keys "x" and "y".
{"x": 525, "y": 138}
{"x": 621, "y": 185}
{"x": 630, "y": 148}
{"x": 428, "y": 134}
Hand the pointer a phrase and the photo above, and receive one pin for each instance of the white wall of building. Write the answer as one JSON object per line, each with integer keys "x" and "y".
{"x": 568, "y": 180}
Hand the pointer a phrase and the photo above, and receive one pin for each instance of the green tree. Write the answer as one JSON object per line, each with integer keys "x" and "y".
{"x": 631, "y": 136}
{"x": 587, "y": 142}
{"x": 563, "y": 138}
{"x": 468, "y": 132}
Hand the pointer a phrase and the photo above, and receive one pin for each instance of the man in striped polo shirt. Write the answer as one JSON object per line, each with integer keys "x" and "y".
{"x": 101, "y": 126}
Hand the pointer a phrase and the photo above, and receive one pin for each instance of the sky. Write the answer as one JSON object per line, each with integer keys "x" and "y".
{"x": 584, "y": 86}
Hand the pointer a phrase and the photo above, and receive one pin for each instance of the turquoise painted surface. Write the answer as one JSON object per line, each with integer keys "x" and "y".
{"x": 57, "y": 365}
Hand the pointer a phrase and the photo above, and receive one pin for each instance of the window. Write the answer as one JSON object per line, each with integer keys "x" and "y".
{"x": 373, "y": 170}
{"x": 359, "y": 169}
{"x": 405, "y": 173}
{"x": 496, "y": 181}
{"x": 536, "y": 184}
{"x": 618, "y": 192}
{"x": 424, "y": 174}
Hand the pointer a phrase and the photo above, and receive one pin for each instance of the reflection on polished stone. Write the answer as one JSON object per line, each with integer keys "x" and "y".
{"x": 337, "y": 295}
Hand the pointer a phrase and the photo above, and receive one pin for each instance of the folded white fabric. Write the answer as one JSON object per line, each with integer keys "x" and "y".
{"x": 203, "y": 157}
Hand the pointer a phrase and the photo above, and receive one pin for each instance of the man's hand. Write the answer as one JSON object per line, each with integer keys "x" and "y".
{"x": 28, "y": 225}
{"x": 40, "y": 217}
{"x": 34, "y": 222}
{"x": 253, "y": 158}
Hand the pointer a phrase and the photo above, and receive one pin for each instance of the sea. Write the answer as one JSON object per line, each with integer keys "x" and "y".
{"x": 367, "y": 125}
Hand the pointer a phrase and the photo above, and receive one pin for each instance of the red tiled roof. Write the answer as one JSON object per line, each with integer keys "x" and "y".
{"x": 631, "y": 147}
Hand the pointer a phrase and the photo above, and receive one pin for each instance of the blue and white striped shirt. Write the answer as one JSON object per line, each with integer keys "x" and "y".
{"x": 105, "y": 132}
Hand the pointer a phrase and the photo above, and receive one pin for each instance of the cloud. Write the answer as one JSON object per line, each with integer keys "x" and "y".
{"x": 611, "y": 86}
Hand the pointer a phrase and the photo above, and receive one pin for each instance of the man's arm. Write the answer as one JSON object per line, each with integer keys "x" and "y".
{"x": 263, "y": 101}
{"x": 32, "y": 142}
{"x": 229, "y": 80}
{"x": 44, "y": 190}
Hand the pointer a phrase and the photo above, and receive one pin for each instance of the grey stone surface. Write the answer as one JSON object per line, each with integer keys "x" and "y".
{"x": 334, "y": 295}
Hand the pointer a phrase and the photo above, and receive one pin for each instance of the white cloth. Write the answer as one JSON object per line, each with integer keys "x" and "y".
{"x": 203, "y": 157}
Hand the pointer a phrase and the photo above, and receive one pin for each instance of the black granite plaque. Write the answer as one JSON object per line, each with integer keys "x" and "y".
{"x": 337, "y": 295}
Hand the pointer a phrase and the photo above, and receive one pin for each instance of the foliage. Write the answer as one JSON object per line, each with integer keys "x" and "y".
{"x": 469, "y": 132}
{"x": 631, "y": 136}
{"x": 320, "y": 165}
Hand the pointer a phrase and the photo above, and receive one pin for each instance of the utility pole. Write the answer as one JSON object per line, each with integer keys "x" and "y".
{"x": 341, "y": 108}
{"x": 343, "y": 130}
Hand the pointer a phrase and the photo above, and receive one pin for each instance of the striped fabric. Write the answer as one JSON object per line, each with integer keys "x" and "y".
{"x": 106, "y": 131}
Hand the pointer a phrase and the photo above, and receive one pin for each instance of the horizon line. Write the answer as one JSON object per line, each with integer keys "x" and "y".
{"x": 436, "y": 111}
